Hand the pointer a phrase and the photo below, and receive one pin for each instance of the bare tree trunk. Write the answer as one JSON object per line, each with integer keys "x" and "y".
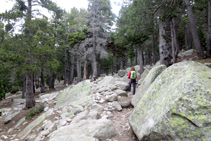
{"x": 136, "y": 56}
{"x": 209, "y": 31}
{"x": 72, "y": 67}
{"x": 85, "y": 69}
{"x": 121, "y": 63}
{"x": 174, "y": 43}
{"x": 30, "y": 102}
{"x": 153, "y": 46}
{"x": 112, "y": 69}
{"x": 24, "y": 89}
{"x": 141, "y": 61}
{"x": 114, "y": 65}
{"x": 65, "y": 66}
{"x": 194, "y": 32}
{"x": 51, "y": 81}
{"x": 98, "y": 66}
{"x": 94, "y": 61}
{"x": 42, "y": 81}
{"x": 78, "y": 68}
{"x": 164, "y": 49}
{"x": 188, "y": 39}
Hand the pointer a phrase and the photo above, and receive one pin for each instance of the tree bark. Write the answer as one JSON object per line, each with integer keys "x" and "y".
{"x": 209, "y": 31}
{"x": 136, "y": 57}
{"x": 85, "y": 69}
{"x": 98, "y": 66}
{"x": 24, "y": 89}
{"x": 174, "y": 43}
{"x": 141, "y": 61}
{"x": 30, "y": 102}
{"x": 153, "y": 46}
{"x": 72, "y": 67}
{"x": 51, "y": 81}
{"x": 94, "y": 60}
{"x": 121, "y": 63}
{"x": 78, "y": 68}
{"x": 164, "y": 50}
{"x": 65, "y": 66}
{"x": 194, "y": 32}
{"x": 42, "y": 81}
{"x": 188, "y": 39}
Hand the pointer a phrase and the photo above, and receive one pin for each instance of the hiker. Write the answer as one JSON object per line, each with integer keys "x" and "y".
{"x": 132, "y": 76}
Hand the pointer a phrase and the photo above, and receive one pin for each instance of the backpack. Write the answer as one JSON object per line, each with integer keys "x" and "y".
{"x": 133, "y": 75}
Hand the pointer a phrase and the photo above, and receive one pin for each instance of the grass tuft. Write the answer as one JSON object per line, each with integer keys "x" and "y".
{"x": 34, "y": 111}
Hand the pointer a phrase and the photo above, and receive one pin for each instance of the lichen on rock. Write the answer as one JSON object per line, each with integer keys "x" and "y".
{"x": 176, "y": 105}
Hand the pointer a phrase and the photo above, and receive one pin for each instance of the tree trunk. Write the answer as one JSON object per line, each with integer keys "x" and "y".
{"x": 114, "y": 65}
{"x": 136, "y": 56}
{"x": 174, "y": 43}
{"x": 141, "y": 61}
{"x": 98, "y": 66}
{"x": 188, "y": 39}
{"x": 42, "y": 81}
{"x": 85, "y": 69}
{"x": 65, "y": 66}
{"x": 209, "y": 31}
{"x": 78, "y": 68}
{"x": 153, "y": 44}
{"x": 30, "y": 102}
{"x": 94, "y": 61}
{"x": 72, "y": 67}
{"x": 51, "y": 81}
{"x": 194, "y": 32}
{"x": 164, "y": 49}
{"x": 121, "y": 63}
{"x": 24, "y": 89}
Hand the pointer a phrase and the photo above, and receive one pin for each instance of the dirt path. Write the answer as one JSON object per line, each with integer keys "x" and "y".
{"x": 120, "y": 122}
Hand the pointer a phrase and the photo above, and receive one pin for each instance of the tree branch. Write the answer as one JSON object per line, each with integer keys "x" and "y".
{"x": 158, "y": 7}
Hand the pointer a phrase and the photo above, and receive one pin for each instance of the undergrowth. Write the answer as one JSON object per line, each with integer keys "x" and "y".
{"x": 34, "y": 111}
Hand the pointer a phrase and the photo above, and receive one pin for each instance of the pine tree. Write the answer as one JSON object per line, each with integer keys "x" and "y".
{"x": 100, "y": 20}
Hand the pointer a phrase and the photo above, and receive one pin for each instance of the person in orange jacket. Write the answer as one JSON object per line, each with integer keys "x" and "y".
{"x": 132, "y": 76}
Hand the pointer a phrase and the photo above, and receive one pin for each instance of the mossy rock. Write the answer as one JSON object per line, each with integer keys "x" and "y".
{"x": 74, "y": 93}
{"x": 148, "y": 80}
{"x": 176, "y": 106}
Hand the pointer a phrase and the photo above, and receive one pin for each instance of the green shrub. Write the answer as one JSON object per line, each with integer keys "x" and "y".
{"x": 34, "y": 111}
{"x": 3, "y": 90}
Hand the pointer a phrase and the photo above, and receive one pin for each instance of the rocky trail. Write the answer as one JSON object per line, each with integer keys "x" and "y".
{"x": 110, "y": 102}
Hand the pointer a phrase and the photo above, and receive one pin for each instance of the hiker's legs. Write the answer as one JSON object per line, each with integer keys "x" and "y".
{"x": 129, "y": 88}
{"x": 134, "y": 87}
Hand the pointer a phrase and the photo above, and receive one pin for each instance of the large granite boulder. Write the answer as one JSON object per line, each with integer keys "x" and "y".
{"x": 105, "y": 81}
{"x": 143, "y": 75}
{"x": 122, "y": 85}
{"x": 186, "y": 53}
{"x": 121, "y": 73}
{"x": 99, "y": 129}
{"x": 27, "y": 130}
{"x": 151, "y": 76}
{"x": 176, "y": 106}
{"x": 74, "y": 93}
